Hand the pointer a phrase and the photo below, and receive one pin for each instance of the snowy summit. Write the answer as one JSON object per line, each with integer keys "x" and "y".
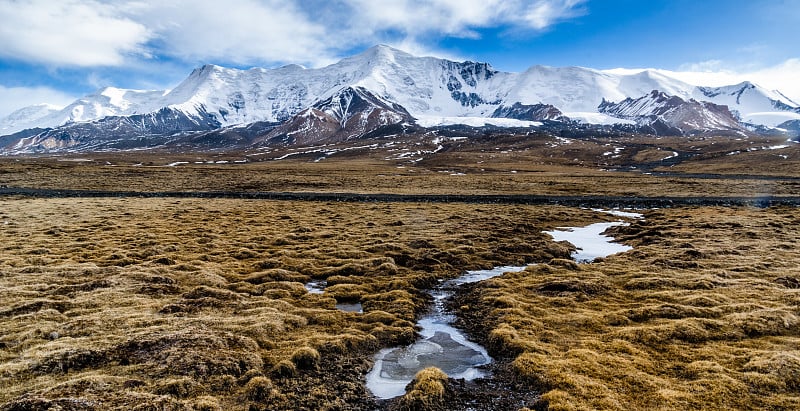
{"x": 425, "y": 90}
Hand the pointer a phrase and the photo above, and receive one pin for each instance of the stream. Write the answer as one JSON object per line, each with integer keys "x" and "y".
{"x": 447, "y": 348}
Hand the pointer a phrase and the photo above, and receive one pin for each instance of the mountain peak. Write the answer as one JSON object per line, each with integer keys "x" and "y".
{"x": 380, "y": 53}
{"x": 424, "y": 87}
{"x": 207, "y": 70}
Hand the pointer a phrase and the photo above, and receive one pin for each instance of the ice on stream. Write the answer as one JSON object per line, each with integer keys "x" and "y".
{"x": 441, "y": 345}
{"x": 445, "y": 347}
{"x": 590, "y": 242}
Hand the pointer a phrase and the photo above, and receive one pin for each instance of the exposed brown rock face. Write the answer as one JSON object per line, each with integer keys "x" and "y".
{"x": 672, "y": 115}
{"x": 352, "y": 113}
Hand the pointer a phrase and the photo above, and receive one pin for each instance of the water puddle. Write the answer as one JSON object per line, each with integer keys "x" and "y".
{"x": 590, "y": 241}
{"x": 316, "y": 287}
{"x": 443, "y": 346}
{"x": 350, "y": 307}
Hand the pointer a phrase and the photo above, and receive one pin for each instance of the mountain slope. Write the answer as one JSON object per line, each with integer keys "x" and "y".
{"x": 109, "y": 101}
{"x": 139, "y": 130}
{"x": 752, "y": 104}
{"x": 349, "y": 114}
{"x": 529, "y": 112}
{"x": 27, "y": 117}
{"x": 397, "y": 85}
{"x": 667, "y": 114}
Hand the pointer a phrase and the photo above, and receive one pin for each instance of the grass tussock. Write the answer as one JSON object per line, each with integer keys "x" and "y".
{"x": 200, "y": 304}
{"x": 702, "y": 314}
{"x": 426, "y": 392}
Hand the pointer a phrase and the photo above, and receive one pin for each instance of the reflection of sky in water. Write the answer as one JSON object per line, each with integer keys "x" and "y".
{"x": 441, "y": 345}
{"x": 590, "y": 242}
{"x": 350, "y": 307}
{"x": 316, "y": 287}
{"x": 445, "y": 347}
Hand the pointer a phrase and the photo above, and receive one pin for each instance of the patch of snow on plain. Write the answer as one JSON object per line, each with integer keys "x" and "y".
{"x": 559, "y": 141}
{"x": 673, "y": 155}
{"x": 619, "y": 213}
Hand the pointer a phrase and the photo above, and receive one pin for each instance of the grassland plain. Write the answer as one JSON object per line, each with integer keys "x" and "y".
{"x": 200, "y": 304}
{"x": 179, "y": 304}
{"x": 702, "y": 314}
{"x": 493, "y": 163}
{"x": 503, "y": 175}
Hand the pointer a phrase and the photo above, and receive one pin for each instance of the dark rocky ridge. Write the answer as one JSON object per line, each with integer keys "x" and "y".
{"x": 671, "y": 115}
{"x": 121, "y": 132}
{"x": 530, "y": 112}
{"x": 352, "y": 113}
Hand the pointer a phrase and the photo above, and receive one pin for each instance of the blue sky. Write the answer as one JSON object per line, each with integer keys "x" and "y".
{"x": 57, "y": 50}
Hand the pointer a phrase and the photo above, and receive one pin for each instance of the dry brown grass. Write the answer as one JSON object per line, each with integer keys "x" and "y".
{"x": 702, "y": 314}
{"x": 426, "y": 392}
{"x": 493, "y": 165}
{"x": 200, "y": 304}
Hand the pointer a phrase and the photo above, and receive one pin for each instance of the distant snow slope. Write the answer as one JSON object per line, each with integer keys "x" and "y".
{"x": 426, "y": 87}
{"x": 109, "y": 101}
{"x": 27, "y": 117}
{"x": 752, "y": 103}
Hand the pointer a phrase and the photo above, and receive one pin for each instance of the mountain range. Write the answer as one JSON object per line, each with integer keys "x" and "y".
{"x": 383, "y": 91}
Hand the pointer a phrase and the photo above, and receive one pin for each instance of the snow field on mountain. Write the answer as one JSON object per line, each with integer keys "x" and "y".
{"x": 432, "y": 90}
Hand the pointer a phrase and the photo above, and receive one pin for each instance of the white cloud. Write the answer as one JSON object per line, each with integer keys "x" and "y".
{"x": 316, "y": 32}
{"x": 12, "y": 98}
{"x": 542, "y": 14}
{"x": 109, "y": 32}
{"x": 240, "y": 31}
{"x": 68, "y": 32}
{"x": 460, "y": 18}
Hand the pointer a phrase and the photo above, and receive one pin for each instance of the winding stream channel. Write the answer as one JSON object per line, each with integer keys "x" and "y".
{"x": 443, "y": 346}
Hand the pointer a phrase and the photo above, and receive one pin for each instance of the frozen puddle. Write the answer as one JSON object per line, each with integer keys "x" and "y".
{"x": 316, "y": 287}
{"x": 350, "y": 307}
{"x": 441, "y": 345}
{"x": 590, "y": 241}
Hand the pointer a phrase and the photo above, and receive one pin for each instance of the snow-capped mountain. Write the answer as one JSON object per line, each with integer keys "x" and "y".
{"x": 110, "y": 101}
{"x": 666, "y": 114}
{"x": 28, "y": 117}
{"x": 399, "y": 84}
{"x": 751, "y": 103}
{"x": 350, "y": 113}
